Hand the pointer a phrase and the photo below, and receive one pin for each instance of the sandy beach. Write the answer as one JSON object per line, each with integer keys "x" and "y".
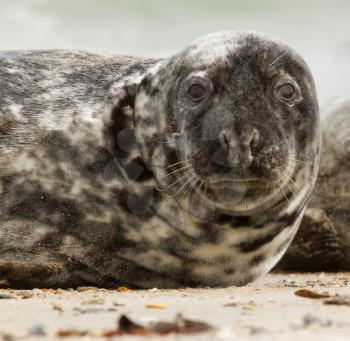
{"x": 276, "y": 307}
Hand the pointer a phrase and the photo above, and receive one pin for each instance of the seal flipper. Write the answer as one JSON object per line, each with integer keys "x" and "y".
{"x": 33, "y": 274}
{"x": 316, "y": 246}
{"x": 25, "y": 261}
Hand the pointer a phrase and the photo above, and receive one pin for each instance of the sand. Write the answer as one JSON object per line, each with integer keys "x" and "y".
{"x": 267, "y": 309}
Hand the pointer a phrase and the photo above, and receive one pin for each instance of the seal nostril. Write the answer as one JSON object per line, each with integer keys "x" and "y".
{"x": 225, "y": 138}
{"x": 238, "y": 149}
{"x": 254, "y": 138}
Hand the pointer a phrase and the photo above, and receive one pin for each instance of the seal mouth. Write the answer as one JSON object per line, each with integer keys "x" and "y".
{"x": 222, "y": 192}
{"x": 244, "y": 196}
{"x": 249, "y": 182}
{"x": 227, "y": 193}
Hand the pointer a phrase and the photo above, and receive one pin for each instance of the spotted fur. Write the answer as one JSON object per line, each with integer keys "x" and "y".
{"x": 91, "y": 188}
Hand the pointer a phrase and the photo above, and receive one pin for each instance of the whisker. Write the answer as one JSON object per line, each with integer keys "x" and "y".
{"x": 280, "y": 185}
{"x": 293, "y": 182}
{"x": 290, "y": 188}
{"x": 277, "y": 59}
{"x": 284, "y": 193}
{"x": 303, "y": 162}
{"x": 205, "y": 191}
{"x": 195, "y": 196}
{"x": 174, "y": 183}
{"x": 175, "y": 171}
{"x": 177, "y": 163}
{"x": 194, "y": 183}
{"x": 189, "y": 189}
{"x": 302, "y": 171}
{"x": 185, "y": 187}
{"x": 172, "y": 165}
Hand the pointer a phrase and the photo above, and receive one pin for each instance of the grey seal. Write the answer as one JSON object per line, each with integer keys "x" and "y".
{"x": 323, "y": 240}
{"x": 192, "y": 170}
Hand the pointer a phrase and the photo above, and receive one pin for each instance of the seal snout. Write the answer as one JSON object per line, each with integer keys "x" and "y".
{"x": 238, "y": 147}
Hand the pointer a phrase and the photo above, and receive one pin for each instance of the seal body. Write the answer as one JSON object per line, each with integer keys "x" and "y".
{"x": 184, "y": 171}
{"x": 323, "y": 241}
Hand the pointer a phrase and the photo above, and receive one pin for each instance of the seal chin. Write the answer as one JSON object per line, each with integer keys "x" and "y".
{"x": 239, "y": 197}
{"x": 247, "y": 196}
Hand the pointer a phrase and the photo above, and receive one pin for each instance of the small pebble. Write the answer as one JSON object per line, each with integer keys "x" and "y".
{"x": 27, "y": 295}
{"x": 312, "y": 319}
{"x": 308, "y": 320}
{"x": 156, "y": 306}
{"x": 153, "y": 290}
{"x": 6, "y": 296}
{"x": 57, "y": 307}
{"x": 37, "y": 330}
{"x": 87, "y": 288}
{"x": 95, "y": 301}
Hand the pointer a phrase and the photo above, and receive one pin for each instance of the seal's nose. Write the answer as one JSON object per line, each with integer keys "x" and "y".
{"x": 239, "y": 147}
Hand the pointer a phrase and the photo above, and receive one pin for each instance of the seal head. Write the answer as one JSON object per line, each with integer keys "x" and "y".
{"x": 241, "y": 114}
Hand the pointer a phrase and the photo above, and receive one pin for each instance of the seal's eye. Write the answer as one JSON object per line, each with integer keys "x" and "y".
{"x": 198, "y": 88}
{"x": 196, "y": 91}
{"x": 286, "y": 92}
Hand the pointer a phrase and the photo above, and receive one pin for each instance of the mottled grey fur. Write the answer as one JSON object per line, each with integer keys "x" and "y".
{"x": 323, "y": 240}
{"x": 112, "y": 173}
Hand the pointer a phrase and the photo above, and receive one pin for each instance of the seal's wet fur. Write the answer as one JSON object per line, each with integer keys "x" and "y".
{"x": 92, "y": 191}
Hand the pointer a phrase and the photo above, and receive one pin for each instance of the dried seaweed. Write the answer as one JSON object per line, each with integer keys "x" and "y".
{"x": 311, "y": 294}
{"x": 180, "y": 325}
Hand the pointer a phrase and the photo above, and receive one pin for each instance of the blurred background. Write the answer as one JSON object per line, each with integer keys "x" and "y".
{"x": 318, "y": 29}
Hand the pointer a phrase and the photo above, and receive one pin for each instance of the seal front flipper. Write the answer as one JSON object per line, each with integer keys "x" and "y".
{"x": 316, "y": 246}
{"x": 35, "y": 274}
{"x": 25, "y": 261}
{"x": 32, "y": 274}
